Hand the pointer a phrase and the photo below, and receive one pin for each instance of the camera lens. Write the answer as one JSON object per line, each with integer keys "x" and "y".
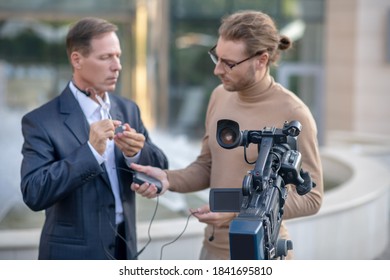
{"x": 228, "y": 136}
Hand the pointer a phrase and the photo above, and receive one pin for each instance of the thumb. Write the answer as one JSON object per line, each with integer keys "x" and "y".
{"x": 138, "y": 167}
{"x": 135, "y": 166}
{"x": 203, "y": 209}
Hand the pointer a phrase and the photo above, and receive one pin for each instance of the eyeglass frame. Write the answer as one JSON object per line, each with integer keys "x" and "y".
{"x": 215, "y": 58}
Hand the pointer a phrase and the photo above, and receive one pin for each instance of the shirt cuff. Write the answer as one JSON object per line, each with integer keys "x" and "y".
{"x": 98, "y": 157}
{"x": 133, "y": 159}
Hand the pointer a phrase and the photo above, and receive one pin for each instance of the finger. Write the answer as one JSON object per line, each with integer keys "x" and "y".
{"x": 116, "y": 123}
{"x": 147, "y": 190}
{"x": 138, "y": 167}
{"x": 134, "y": 187}
{"x": 204, "y": 209}
{"x": 127, "y": 127}
{"x": 140, "y": 189}
{"x": 131, "y": 142}
{"x": 193, "y": 211}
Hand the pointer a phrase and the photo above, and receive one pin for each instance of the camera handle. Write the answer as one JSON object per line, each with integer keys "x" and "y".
{"x": 258, "y": 172}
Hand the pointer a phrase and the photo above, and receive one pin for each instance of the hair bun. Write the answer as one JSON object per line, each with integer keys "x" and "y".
{"x": 284, "y": 43}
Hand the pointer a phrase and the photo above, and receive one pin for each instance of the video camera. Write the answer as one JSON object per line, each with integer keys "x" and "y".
{"x": 253, "y": 234}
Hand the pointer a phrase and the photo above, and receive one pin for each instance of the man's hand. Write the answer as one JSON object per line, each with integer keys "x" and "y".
{"x": 100, "y": 131}
{"x": 129, "y": 141}
{"x": 150, "y": 190}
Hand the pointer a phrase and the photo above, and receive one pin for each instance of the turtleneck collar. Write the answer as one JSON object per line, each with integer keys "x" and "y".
{"x": 258, "y": 91}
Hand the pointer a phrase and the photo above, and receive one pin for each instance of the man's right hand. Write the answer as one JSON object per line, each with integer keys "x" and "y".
{"x": 100, "y": 131}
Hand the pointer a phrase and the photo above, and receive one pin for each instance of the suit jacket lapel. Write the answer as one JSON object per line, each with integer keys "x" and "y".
{"x": 115, "y": 111}
{"x": 105, "y": 175}
{"x": 74, "y": 118}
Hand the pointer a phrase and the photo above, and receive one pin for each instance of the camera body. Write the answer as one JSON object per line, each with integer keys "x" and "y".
{"x": 253, "y": 234}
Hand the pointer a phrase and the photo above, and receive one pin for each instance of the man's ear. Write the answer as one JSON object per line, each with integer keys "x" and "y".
{"x": 263, "y": 59}
{"x": 76, "y": 60}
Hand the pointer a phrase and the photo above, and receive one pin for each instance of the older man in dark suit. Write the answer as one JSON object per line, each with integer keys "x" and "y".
{"x": 77, "y": 151}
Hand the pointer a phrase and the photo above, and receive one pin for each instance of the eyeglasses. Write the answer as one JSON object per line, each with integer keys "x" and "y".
{"x": 229, "y": 66}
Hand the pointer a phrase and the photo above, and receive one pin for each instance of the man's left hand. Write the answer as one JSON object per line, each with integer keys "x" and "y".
{"x": 204, "y": 215}
{"x": 129, "y": 141}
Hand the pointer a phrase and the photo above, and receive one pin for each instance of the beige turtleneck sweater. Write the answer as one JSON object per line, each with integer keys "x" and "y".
{"x": 265, "y": 104}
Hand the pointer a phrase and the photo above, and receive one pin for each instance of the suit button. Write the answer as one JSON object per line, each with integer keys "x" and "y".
{"x": 112, "y": 206}
{"x": 112, "y": 246}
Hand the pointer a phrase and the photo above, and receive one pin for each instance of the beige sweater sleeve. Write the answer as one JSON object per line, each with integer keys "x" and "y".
{"x": 310, "y": 203}
{"x": 196, "y": 176}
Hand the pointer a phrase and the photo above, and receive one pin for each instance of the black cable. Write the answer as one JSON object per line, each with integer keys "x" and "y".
{"x": 180, "y": 235}
{"x": 149, "y": 235}
{"x": 80, "y": 90}
{"x": 246, "y": 158}
{"x": 150, "y": 225}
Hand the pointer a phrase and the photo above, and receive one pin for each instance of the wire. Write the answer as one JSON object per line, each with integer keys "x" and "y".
{"x": 149, "y": 235}
{"x": 150, "y": 225}
{"x": 246, "y": 158}
{"x": 180, "y": 235}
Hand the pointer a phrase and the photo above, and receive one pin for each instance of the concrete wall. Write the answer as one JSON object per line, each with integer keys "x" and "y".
{"x": 354, "y": 220}
{"x": 357, "y": 73}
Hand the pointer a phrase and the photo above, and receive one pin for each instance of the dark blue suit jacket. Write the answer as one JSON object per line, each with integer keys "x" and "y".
{"x": 60, "y": 175}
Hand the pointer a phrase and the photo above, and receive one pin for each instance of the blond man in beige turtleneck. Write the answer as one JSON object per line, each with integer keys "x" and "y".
{"x": 248, "y": 45}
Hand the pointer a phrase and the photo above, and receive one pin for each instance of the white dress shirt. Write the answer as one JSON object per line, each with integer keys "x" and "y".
{"x": 94, "y": 112}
